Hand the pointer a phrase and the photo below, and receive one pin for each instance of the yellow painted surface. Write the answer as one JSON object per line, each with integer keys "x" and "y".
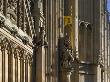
{"x": 67, "y": 20}
{"x": 69, "y": 28}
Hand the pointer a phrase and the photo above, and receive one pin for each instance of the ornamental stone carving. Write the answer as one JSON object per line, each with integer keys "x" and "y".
{"x": 2, "y": 20}
{"x": 30, "y": 59}
{"x": 67, "y": 55}
{"x": 66, "y": 58}
{"x": 14, "y": 31}
{"x": 16, "y": 54}
{"x": 42, "y": 38}
{"x": 12, "y": 9}
{"x": 21, "y": 54}
{"x": 25, "y": 39}
{"x": 67, "y": 61}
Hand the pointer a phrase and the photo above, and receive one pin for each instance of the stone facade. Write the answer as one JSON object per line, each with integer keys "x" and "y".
{"x": 54, "y": 41}
{"x": 16, "y": 32}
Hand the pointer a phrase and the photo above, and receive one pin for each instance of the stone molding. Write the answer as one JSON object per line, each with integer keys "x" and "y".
{"x": 14, "y": 49}
{"x": 13, "y": 30}
{"x": 15, "y": 41}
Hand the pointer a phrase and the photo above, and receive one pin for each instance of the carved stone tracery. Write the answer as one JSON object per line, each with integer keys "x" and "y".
{"x": 12, "y": 9}
{"x": 17, "y": 53}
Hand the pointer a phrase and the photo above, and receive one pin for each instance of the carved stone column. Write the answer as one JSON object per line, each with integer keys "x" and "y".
{"x": 39, "y": 53}
{"x": 36, "y": 16}
{"x": 66, "y": 61}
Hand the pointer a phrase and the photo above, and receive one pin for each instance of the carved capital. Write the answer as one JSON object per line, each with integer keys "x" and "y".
{"x": 21, "y": 54}
{"x": 16, "y": 54}
{"x": 2, "y": 38}
{"x": 30, "y": 59}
